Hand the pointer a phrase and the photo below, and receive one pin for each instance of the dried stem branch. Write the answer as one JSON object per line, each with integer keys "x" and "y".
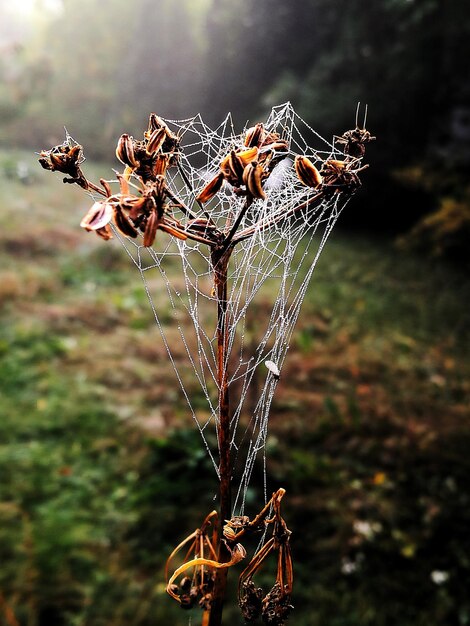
{"x": 220, "y": 260}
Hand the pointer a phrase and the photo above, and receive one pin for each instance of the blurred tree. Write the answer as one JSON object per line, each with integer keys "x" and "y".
{"x": 161, "y": 70}
{"x": 101, "y": 67}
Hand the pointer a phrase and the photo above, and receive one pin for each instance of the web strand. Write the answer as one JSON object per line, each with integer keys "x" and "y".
{"x": 268, "y": 275}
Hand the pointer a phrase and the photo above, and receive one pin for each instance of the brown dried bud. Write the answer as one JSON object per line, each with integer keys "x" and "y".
{"x": 254, "y": 136}
{"x": 105, "y": 232}
{"x": 172, "y": 231}
{"x": 155, "y": 123}
{"x": 212, "y": 187}
{"x": 307, "y": 172}
{"x": 252, "y": 179}
{"x": 247, "y": 156}
{"x": 156, "y": 140}
{"x": 151, "y": 229}
{"x": 58, "y": 162}
{"x": 125, "y": 151}
{"x": 123, "y": 223}
{"x": 279, "y": 146}
{"x": 65, "y": 158}
{"x": 235, "y": 165}
{"x": 160, "y": 164}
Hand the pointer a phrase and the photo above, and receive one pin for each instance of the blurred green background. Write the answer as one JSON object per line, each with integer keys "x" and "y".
{"x": 101, "y": 472}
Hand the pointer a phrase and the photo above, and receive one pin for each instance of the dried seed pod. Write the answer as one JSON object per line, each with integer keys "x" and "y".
{"x": 279, "y": 146}
{"x": 155, "y": 123}
{"x": 269, "y": 139}
{"x": 247, "y": 156}
{"x": 155, "y": 140}
{"x": 105, "y": 232}
{"x": 206, "y": 602}
{"x": 226, "y": 170}
{"x": 172, "y": 231}
{"x": 212, "y": 187}
{"x": 333, "y": 163}
{"x": 106, "y": 186}
{"x": 160, "y": 164}
{"x": 125, "y": 151}
{"x": 151, "y": 229}
{"x": 185, "y": 584}
{"x": 135, "y": 205}
{"x": 123, "y": 223}
{"x": 238, "y": 553}
{"x": 229, "y": 533}
{"x": 58, "y": 161}
{"x": 252, "y": 179}
{"x": 276, "y": 606}
{"x": 254, "y": 136}
{"x": 235, "y": 165}
{"x": 186, "y": 601}
{"x": 251, "y": 602}
{"x": 307, "y": 172}
{"x": 354, "y": 140}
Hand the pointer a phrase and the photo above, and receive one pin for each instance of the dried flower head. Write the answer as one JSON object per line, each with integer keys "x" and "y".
{"x": 65, "y": 158}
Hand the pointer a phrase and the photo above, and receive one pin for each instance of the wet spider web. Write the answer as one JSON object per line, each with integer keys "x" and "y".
{"x": 268, "y": 275}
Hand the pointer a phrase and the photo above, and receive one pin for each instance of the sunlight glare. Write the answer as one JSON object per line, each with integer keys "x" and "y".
{"x": 26, "y": 7}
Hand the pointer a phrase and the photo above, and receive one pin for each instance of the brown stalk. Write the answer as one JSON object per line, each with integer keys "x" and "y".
{"x": 220, "y": 259}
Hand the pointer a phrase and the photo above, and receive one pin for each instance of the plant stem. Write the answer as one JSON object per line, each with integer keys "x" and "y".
{"x": 220, "y": 260}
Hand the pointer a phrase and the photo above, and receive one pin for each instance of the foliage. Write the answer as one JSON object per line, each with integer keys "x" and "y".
{"x": 444, "y": 232}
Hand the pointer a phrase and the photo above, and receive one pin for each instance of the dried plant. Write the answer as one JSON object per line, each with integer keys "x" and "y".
{"x": 144, "y": 199}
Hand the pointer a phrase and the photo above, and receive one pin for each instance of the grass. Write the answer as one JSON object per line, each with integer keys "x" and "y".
{"x": 369, "y": 431}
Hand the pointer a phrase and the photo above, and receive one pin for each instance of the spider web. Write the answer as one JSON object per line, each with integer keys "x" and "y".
{"x": 268, "y": 275}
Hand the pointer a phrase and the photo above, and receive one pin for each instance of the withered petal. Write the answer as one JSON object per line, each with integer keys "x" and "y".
{"x": 105, "y": 232}
{"x": 98, "y": 216}
{"x": 123, "y": 223}
{"x": 246, "y": 156}
{"x": 212, "y": 187}
{"x": 151, "y": 229}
